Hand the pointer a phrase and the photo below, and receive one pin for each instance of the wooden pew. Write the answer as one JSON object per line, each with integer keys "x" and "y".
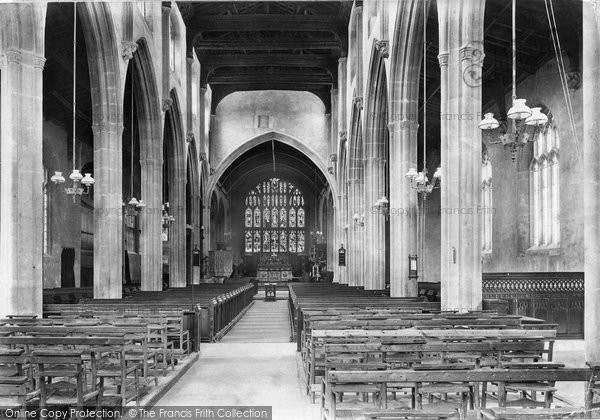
{"x": 138, "y": 350}
{"x": 109, "y": 355}
{"x": 479, "y": 375}
{"x": 454, "y": 346}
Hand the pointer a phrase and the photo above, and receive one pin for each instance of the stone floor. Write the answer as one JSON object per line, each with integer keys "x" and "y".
{"x": 245, "y": 374}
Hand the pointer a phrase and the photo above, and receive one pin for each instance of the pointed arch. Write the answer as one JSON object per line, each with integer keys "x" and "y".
{"x": 263, "y": 138}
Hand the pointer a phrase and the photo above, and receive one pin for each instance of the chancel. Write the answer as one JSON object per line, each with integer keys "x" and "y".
{"x": 390, "y": 205}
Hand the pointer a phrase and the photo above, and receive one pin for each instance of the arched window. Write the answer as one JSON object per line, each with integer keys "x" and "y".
{"x": 487, "y": 207}
{"x": 274, "y": 218}
{"x": 545, "y": 191}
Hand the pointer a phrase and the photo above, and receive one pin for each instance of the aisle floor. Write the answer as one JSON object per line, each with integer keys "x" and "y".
{"x": 245, "y": 374}
{"x": 265, "y": 322}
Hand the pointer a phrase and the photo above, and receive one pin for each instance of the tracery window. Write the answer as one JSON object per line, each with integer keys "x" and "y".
{"x": 274, "y": 218}
{"x": 545, "y": 191}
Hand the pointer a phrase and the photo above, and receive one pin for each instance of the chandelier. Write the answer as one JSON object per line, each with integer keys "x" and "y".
{"x": 133, "y": 206}
{"x": 525, "y": 123}
{"x": 420, "y": 181}
{"x": 80, "y": 184}
{"x": 167, "y": 219}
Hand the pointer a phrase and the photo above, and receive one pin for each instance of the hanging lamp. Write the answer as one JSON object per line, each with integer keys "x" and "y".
{"x": 80, "y": 184}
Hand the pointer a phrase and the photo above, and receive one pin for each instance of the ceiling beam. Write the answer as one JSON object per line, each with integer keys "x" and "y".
{"x": 281, "y": 60}
{"x": 264, "y": 22}
{"x": 267, "y": 45}
{"x": 266, "y": 78}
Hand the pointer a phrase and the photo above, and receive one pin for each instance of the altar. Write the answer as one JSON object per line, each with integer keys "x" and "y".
{"x": 274, "y": 268}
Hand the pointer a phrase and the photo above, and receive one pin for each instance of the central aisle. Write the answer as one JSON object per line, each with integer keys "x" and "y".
{"x": 254, "y": 365}
{"x": 245, "y": 374}
{"x": 265, "y": 322}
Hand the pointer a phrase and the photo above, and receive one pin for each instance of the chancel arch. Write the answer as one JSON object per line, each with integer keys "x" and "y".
{"x": 273, "y": 192}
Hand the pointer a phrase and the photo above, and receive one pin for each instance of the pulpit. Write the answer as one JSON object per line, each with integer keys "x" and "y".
{"x": 274, "y": 268}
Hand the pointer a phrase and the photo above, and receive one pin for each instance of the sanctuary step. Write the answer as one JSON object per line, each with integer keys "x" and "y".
{"x": 265, "y": 322}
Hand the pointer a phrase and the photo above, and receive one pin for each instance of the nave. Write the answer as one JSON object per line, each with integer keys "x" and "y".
{"x": 418, "y": 177}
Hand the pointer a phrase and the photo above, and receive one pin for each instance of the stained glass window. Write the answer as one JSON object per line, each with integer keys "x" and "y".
{"x": 248, "y": 241}
{"x": 256, "y": 242}
{"x": 248, "y": 217}
{"x": 282, "y": 218}
{"x": 301, "y": 217}
{"x": 274, "y": 218}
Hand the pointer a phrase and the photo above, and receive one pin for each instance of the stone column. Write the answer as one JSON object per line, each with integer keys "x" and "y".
{"x": 591, "y": 169}
{"x": 202, "y": 123}
{"x": 177, "y": 277}
{"x": 21, "y": 172}
{"x": 403, "y": 205}
{"x": 461, "y": 49}
{"x": 374, "y": 222}
{"x": 407, "y": 56}
{"x": 342, "y": 207}
{"x": 108, "y": 210}
{"x": 151, "y": 224}
{"x": 357, "y": 244}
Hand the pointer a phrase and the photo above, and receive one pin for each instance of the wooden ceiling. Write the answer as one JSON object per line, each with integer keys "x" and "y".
{"x": 268, "y": 45}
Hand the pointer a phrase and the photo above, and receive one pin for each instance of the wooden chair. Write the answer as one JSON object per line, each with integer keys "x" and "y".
{"x": 533, "y": 413}
{"x": 16, "y": 394}
{"x": 409, "y": 414}
{"x": 61, "y": 379}
{"x": 528, "y": 389}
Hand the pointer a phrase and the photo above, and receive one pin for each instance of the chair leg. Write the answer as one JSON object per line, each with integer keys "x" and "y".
{"x": 501, "y": 394}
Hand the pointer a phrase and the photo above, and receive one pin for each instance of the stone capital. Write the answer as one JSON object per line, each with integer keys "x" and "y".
{"x": 202, "y": 157}
{"x": 358, "y": 101}
{"x": 443, "y": 59}
{"x": 189, "y": 137}
{"x": 343, "y": 136}
{"x": 382, "y": 47}
{"x": 401, "y": 125}
{"x": 25, "y": 58}
{"x": 471, "y": 53}
{"x": 107, "y": 127}
{"x": 333, "y": 157}
{"x": 127, "y": 49}
{"x": 166, "y": 104}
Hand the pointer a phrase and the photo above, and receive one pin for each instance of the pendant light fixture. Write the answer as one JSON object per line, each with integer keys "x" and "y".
{"x": 514, "y": 133}
{"x": 420, "y": 181}
{"x": 133, "y": 206}
{"x": 79, "y": 184}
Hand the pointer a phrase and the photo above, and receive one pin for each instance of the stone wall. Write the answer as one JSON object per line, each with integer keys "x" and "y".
{"x": 300, "y": 115}
{"x": 510, "y": 245}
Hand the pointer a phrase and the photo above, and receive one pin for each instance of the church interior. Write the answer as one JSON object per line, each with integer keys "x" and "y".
{"x": 353, "y": 209}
